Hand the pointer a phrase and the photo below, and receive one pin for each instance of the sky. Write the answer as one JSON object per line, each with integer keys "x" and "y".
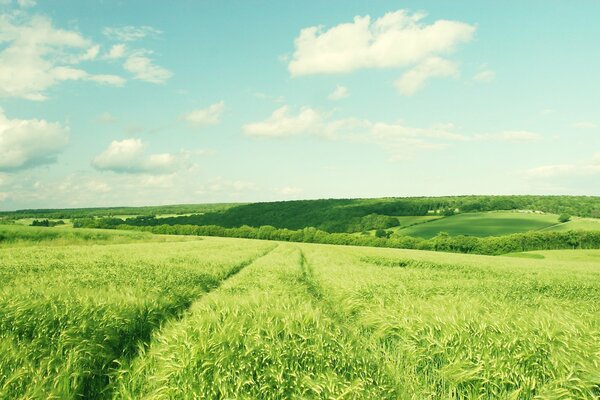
{"x": 114, "y": 103}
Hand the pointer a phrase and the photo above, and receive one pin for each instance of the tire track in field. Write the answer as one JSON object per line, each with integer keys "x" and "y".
{"x": 320, "y": 301}
{"x": 145, "y": 342}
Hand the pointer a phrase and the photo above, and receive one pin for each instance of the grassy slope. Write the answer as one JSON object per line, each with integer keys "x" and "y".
{"x": 482, "y": 224}
{"x": 576, "y": 224}
{"x": 406, "y": 221}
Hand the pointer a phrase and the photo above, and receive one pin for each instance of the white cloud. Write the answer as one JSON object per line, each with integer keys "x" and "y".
{"x": 206, "y": 116}
{"x": 27, "y": 143}
{"x": 485, "y": 76}
{"x": 130, "y": 33}
{"x": 127, "y": 156}
{"x": 340, "y": 92}
{"x": 396, "y": 138}
{"x": 36, "y": 56}
{"x": 116, "y": 51}
{"x": 143, "y": 69}
{"x": 415, "y": 78}
{"x": 283, "y": 123}
{"x": 91, "y": 53}
{"x": 398, "y": 39}
{"x": 585, "y": 125}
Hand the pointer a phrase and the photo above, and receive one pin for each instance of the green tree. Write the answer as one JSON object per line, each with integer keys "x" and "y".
{"x": 562, "y": 218}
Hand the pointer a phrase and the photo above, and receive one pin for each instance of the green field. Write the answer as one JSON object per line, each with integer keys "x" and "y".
{"x": 225, "y": 318}
{"x": 576, "y": 224}
{"x": 483, "y": 224}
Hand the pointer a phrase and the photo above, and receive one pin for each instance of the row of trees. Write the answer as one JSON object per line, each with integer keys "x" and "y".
{"x": 47, "y": 223}
{"x": 459, "y": 244}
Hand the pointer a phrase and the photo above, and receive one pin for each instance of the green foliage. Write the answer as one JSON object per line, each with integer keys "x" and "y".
{"x": 47, "y": 223}
{"x": 493, "y": 245}
{"x": 562, "y": 218}
{"x": 330, "y": 215}
{"x": 69, "y": 213}
{"x": 356, "y": 215}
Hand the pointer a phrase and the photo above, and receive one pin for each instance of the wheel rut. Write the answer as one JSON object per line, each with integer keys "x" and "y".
{"x": 145, "y": 342}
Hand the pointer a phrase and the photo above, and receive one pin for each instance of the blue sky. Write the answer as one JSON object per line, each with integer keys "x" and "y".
{"x": 132, "y": 103}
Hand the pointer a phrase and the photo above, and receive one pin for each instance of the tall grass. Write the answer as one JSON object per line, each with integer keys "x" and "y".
{"x": 229, "y": 318}
{"x": 69, "y": 316}
{"x": 451, "y": 330}
{"x": 260, "y": 336}
{"x": 11, "y": 235}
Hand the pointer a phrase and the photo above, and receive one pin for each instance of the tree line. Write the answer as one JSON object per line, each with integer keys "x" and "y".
{"x": 493, "y": 245}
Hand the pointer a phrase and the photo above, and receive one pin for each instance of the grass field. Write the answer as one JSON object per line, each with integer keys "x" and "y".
{"x": 12, "y": 235}
{"x": 576, "y": 224}
{"x": 234, "y": 318}
{"x": 483, "y": 224}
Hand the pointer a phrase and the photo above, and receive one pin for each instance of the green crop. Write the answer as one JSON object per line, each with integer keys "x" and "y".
{"x": 220, "y": 318}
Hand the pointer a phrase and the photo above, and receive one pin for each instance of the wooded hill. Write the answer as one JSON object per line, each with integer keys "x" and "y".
{"x": 356, "y": 215}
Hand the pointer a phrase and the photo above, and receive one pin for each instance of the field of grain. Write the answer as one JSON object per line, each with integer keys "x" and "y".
{"x": 234, "y": 318}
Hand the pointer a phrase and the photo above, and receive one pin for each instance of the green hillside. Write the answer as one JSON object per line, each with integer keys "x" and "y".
{"x": 483, "y": 224}
{"x": 330, "y": 215}
{"x": 576, "y": 224}
{"x": 355, "y": 215}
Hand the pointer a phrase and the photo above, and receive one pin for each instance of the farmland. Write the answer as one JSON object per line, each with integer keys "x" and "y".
{"x": 148, "y": 317}
{"x": 483, "y": 224}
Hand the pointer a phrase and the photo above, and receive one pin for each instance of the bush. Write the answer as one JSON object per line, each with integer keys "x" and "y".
{"x": 564, "y": 218}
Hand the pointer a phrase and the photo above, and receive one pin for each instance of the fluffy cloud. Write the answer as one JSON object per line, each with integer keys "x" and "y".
{"x": 37, "y": 56}
{"x": 28, "y": 143}
{"x": 283, "y": 123}
{"x": 415, "y": 78}
{"x": 142, "y": 68}
{"x": 340, "y": 92}
{"x": 129, "y": 33}
{"x": 128, "y": 156}
{"x": 206, "y": 116}
{"x": 398, "y": 39}
{"x": 116, "y": 51}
